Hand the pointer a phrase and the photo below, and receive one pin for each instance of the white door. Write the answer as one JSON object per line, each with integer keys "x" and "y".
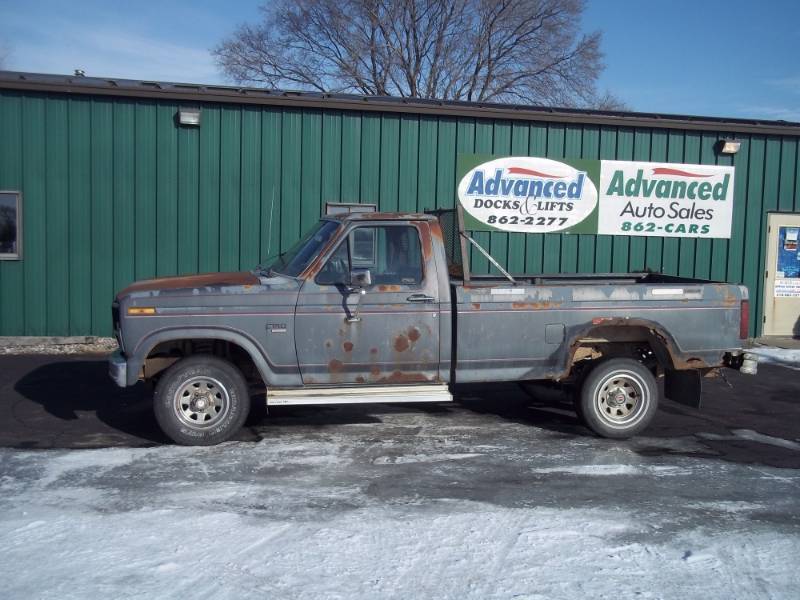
{"x": 782, "y": 273}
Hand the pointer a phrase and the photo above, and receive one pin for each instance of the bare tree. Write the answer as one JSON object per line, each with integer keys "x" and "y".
{"x": 528, "y": 51}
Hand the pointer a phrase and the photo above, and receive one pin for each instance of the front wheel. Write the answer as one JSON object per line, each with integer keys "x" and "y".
{"x": 201, "y": 400}
{"x": 618, "y": 398}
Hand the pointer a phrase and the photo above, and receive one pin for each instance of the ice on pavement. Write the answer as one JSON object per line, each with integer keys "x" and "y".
{"x": 403, "y": 509}
{"x": 754, "y": 436}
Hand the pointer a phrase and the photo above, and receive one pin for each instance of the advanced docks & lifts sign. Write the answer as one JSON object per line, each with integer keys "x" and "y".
{"x": 614, "y": 197}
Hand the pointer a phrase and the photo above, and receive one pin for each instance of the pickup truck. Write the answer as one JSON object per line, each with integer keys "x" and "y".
{"x": 381, "y": 307}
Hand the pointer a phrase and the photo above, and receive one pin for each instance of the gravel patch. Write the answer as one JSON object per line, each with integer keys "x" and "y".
{"x": 100, "y": 345}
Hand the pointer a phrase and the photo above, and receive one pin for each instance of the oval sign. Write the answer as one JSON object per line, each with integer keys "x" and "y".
{"x": 528, "y": 195}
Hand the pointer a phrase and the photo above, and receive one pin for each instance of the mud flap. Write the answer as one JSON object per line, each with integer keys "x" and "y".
{"x": 683, "y": 387}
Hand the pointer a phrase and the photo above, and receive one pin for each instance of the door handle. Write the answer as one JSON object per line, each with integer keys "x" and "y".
{"x": 420, "y": 298}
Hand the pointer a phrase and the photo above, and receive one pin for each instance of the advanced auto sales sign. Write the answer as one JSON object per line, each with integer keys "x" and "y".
{"x": 540, "y": 195}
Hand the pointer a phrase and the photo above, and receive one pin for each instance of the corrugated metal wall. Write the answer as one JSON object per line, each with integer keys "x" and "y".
{"x": 114, "y": 191}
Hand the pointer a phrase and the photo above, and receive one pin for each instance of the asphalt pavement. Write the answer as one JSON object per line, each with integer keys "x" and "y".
{"x": 69, "y": 402}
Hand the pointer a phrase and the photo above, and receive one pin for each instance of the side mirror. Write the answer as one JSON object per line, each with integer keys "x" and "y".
{"x": 360, "y": 278}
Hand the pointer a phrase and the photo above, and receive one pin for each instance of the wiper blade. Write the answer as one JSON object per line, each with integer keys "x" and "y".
{"x": 269, "y": 271}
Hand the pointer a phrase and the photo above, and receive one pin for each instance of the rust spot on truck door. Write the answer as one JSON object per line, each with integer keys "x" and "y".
{"x": 401, "y": 343}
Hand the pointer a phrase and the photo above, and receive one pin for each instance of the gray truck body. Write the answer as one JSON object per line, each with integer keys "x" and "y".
{"x": 299, "y": 333}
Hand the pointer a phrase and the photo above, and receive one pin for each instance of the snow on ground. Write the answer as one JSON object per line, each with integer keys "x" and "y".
{"x": 780, "y": 356}
{"x": 399, "y": 504}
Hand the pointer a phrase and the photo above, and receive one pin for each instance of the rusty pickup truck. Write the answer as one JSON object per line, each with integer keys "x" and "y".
{"x": 382, "y": 307}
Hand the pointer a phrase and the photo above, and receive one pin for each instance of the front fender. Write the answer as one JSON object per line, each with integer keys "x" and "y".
{"x": 269, "y": 373}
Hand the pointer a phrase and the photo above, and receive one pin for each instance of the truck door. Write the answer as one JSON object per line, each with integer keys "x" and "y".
{"x": 394, "y": 338}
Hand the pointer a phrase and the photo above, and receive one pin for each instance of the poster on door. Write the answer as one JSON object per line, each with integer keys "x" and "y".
{"x": 787, "y": 271}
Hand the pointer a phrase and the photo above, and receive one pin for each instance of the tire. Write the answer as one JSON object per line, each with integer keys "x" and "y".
{"x": 618, "y": 398}
{"x": 201, "y": 401}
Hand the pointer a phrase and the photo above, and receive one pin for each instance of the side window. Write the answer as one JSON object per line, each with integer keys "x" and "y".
{"x": 363, "y": 242}
{"x": 392, "y": 254}
{"x": 398, "y": 257}
{"x": 337, "y": 269}
{"x": 10, "y": 226}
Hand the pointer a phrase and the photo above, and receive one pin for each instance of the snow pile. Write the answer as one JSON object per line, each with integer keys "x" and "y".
{"x": 779, "y": 356}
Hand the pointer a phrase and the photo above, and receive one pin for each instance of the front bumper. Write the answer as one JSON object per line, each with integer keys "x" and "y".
{"x": 118, "y": 368}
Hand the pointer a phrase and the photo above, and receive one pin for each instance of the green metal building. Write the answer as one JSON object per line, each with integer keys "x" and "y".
{"x": 113, "y": 188}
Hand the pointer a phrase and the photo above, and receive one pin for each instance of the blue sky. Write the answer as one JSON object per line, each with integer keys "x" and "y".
{"x": 731, "y": 58}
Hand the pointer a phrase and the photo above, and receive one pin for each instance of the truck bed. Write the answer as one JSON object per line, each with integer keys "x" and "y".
{"x": 530, "y": 329}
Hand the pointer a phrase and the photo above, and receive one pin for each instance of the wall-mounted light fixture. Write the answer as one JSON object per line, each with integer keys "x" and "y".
{"x": 189, "y": 116}
{"x": 728, "y": 146}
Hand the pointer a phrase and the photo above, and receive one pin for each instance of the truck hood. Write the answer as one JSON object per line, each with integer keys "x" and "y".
{"x": 206, "y": 281}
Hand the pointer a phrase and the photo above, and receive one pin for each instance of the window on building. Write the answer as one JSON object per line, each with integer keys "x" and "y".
{"x": 10, "y": 225}
{"x": 391, "y": 253}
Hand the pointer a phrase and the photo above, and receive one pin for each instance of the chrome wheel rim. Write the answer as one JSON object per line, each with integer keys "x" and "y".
{"x": 201, "y": 402}
{"x": 621, "y": 399}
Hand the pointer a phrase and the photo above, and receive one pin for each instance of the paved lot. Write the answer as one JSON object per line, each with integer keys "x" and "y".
{"x": 69, "y": 402}
{"x": 496, "y": 496}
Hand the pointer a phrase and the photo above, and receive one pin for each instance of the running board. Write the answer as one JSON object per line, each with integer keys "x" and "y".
{"x": 359, "y": 395}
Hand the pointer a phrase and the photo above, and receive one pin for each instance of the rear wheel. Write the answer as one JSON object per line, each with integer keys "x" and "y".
{"x": 618, "y": 398}
{"x": 201, "y": 400}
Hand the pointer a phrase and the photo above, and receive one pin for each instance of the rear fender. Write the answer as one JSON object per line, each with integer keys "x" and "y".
{"x": 661, "y": 342}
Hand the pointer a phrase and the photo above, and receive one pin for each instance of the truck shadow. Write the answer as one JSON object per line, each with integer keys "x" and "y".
{"x": 82, "y": 409}
{"x": 751, "y": 420}
{"x": 549, "y": 407}
{"x": 71, "y": 403}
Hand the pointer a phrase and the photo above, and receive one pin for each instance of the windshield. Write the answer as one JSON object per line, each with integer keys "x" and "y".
{"x": 298, "y": 257}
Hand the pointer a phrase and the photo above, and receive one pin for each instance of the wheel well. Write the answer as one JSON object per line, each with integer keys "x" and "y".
{"x": 639, "y": 342}
{"x": 164, "y": 354}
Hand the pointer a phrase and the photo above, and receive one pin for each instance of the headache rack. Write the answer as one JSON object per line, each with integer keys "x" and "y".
{"x": 455, "y": 244}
